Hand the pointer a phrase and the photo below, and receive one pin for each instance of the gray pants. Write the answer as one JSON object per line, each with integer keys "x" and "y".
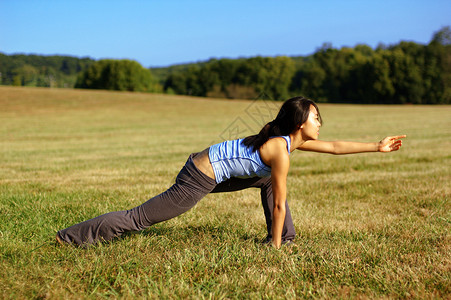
{"x": 190, "y": 186}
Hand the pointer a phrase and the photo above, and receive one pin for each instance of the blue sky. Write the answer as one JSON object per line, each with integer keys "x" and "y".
{"x": 162, "y": 33}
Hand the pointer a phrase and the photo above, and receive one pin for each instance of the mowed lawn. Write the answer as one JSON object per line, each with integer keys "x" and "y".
{"x": 368, "y": 225}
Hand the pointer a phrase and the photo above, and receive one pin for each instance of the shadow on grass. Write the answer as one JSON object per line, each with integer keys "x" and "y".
{"x": 206, "y": 231}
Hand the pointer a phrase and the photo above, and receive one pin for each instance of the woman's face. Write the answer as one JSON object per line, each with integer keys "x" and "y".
{"x": 310, "y": 128}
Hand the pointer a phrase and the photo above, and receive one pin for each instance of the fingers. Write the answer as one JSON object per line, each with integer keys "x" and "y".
{"x": 392, "y": 139}
{"x": 394, "y": 142}
{"x": 395, "y": 145}
{"x": 397, "y": 137}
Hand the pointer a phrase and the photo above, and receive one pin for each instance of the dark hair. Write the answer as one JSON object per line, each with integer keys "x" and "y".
{"x": 294, "y": 111}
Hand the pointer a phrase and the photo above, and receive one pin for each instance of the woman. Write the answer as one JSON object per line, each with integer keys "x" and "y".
{"x": 260, "y": 161}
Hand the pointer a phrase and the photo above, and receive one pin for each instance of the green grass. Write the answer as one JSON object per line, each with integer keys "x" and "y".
{"x": 369, "y": 225}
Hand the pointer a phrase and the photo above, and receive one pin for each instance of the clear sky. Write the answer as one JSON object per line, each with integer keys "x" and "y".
{"x": 162, "y": 33}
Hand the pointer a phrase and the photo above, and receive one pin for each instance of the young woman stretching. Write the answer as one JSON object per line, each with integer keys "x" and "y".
{"x": 260, "y": 161}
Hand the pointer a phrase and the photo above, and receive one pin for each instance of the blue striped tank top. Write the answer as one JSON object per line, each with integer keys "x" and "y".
{"x": 233, "y": 159}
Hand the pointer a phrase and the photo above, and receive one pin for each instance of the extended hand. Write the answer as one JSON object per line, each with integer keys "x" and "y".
{"x": 390, "y": 143}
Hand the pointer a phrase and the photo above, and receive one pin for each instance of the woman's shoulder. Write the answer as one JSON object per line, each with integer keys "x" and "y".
{"x": 277, "y": 143}
{"x": 272, "y": 149}
{"x": 284, "y": 140}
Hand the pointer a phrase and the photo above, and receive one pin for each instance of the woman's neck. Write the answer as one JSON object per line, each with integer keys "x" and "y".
{"x": 296, "y": 140}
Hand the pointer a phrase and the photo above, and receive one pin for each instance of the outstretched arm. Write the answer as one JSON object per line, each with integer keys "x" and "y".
{"x": 388, "y": 144}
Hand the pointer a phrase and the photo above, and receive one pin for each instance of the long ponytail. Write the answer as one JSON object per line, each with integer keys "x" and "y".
{"x": 294, "y": 111}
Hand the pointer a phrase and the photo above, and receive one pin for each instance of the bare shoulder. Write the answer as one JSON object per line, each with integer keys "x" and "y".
{"x": 274, "y": 149}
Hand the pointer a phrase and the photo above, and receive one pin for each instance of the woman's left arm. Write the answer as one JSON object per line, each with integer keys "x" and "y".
{"x": 279, "y": 172}
{"x": 388, "y": 144}
{"x": 280, "y": 164}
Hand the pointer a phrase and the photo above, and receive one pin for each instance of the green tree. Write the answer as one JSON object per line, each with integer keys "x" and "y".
{"x": 120, "y": 75}
{"x": 439, "y": 66}
{"x": 331, "y": 61}
{"x": 54, "y": 71}
{"x": 406, "y": 77}
{"x": 371, "y": 82}
{"x": 308, "y": 81}
{"x": 442, "y": 37}
{"x": 25, "y": 75}
{"x": 176, "y": 83}
{"x": 268, "y": 75}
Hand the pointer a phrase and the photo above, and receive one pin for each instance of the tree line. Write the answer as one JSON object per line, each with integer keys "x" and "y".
{"x": 41, "y": 71}
{"x": 407, "y": 72}
{"x": 403, "y": 73}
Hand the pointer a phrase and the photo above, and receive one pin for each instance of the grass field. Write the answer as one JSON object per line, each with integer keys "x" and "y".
{"x": 369, "y": 225}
